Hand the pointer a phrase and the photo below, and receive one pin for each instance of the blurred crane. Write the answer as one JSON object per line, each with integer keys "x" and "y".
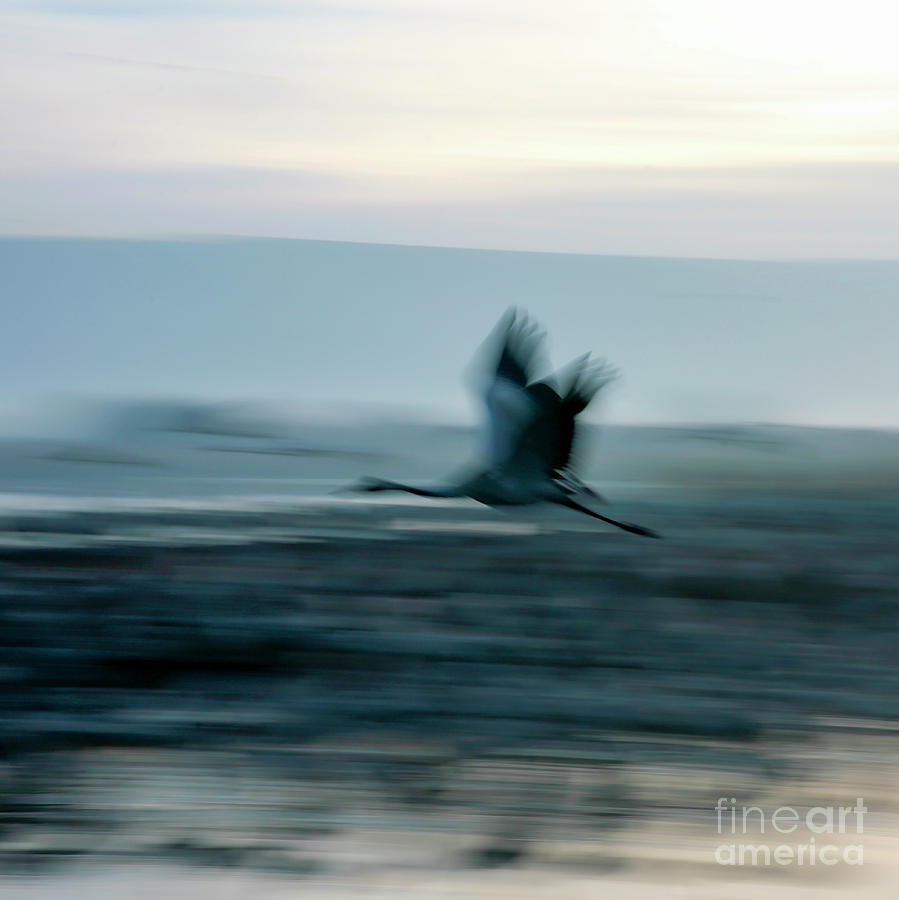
{"x": 531, "y": 431}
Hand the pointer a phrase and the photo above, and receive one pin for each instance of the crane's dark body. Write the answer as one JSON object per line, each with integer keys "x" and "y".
{"x": 531, "y": 430}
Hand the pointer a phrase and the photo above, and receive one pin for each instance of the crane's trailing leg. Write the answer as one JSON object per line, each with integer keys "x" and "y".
{"x": 626, "y": 526}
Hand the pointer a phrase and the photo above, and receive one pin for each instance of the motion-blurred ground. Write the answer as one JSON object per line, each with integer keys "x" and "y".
{"x": 389, "y": 699}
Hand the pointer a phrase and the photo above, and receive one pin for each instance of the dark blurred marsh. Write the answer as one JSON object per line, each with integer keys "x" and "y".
{"x": 347, "y": 693}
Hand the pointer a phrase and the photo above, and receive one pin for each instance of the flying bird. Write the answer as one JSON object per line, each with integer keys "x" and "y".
{"x": 531, "y": 428}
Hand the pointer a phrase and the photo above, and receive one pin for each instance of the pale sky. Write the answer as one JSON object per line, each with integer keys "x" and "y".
{"x": 705, "y": 128}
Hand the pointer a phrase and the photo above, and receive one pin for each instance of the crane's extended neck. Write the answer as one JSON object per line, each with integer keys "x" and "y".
{"x": 379, "y": 484}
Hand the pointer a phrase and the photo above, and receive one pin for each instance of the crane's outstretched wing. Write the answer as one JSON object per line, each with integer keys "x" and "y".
{"x": 544, "y": 447}
{"x": 586, "y": 380}
{"x": 531, "y": 424}
{"x": 511, "y": 408}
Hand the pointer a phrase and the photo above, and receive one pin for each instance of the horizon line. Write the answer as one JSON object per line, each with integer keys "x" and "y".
{"x": 224, "y": 238}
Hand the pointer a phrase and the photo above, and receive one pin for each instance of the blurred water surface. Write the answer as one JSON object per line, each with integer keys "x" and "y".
{"x": 211, "y": 662}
